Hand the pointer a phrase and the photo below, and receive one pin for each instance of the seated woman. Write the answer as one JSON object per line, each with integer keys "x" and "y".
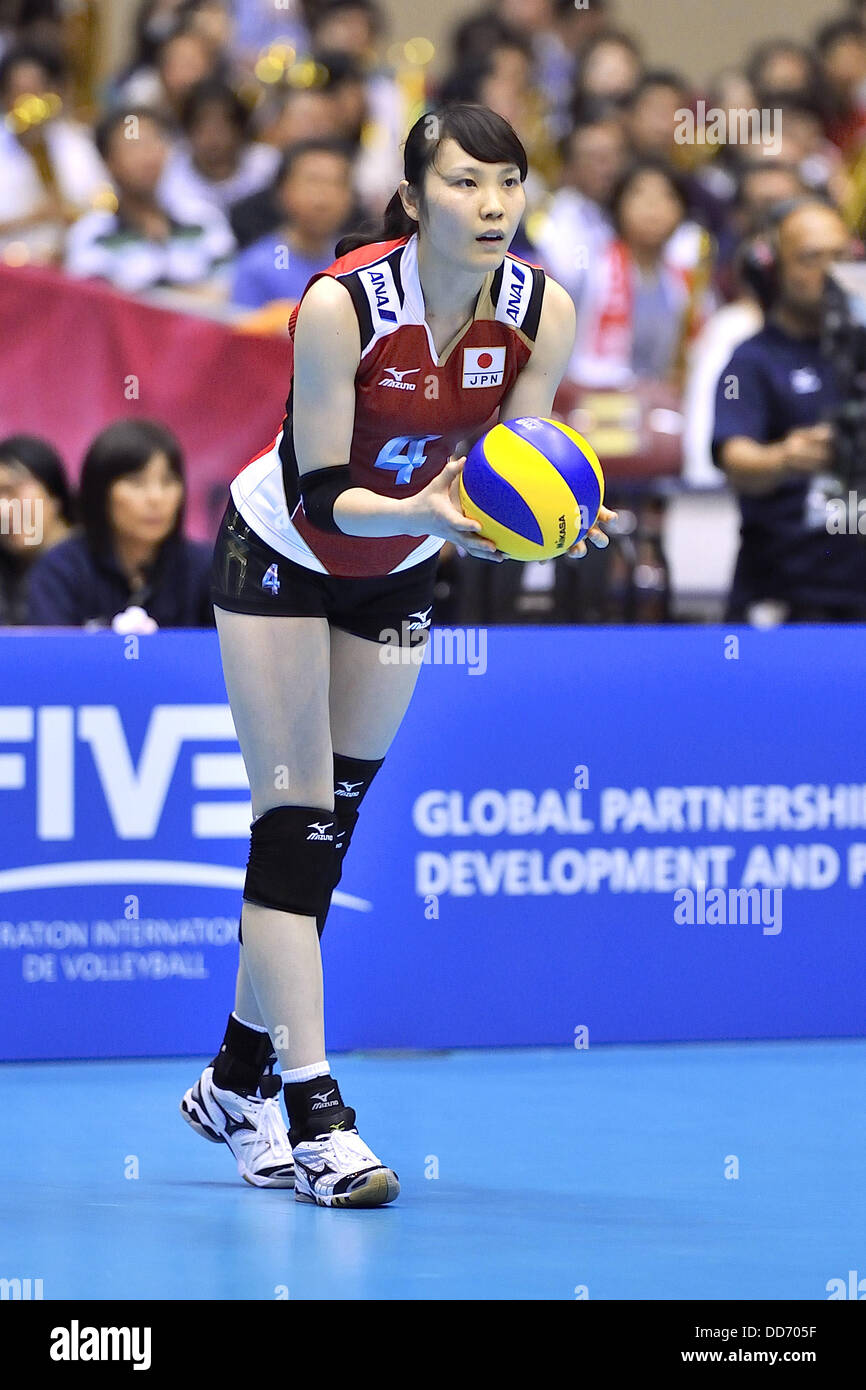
{"x": 130, "y": 551}
{"x": 35, "y": 514}
{"x": 648, "y": 294}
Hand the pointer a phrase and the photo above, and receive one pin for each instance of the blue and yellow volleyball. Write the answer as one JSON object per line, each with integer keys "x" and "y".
{"x": 535, "y": 485}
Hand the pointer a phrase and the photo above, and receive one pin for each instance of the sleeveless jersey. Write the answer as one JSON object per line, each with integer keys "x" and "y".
{"x": 413, "y": 406}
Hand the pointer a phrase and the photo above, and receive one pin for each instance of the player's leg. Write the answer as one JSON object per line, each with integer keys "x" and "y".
{"x": 368, "y": 700}
{"x": 276, "y": 674}
{"x": 369, "y": 692}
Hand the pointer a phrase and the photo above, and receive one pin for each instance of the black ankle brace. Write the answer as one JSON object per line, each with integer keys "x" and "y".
{"x": 244, "y": 1056}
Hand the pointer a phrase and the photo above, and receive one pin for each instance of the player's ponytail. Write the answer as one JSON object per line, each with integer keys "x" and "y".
{"x": 478, "y": 130}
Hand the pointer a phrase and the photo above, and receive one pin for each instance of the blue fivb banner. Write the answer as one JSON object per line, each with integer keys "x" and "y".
{"x": 578, "y": 835}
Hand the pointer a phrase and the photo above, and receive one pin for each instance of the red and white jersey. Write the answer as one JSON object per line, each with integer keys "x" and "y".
{"x": 413, "y": 406}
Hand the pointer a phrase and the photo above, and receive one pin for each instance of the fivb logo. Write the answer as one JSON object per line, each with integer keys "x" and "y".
{"x": 135, "y": 793}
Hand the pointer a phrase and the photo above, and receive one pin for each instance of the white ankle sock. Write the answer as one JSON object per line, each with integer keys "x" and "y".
{"x": 307, "y": 1073}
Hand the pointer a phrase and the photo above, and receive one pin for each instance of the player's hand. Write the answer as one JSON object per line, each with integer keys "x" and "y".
{"x": 806, "y": 450}
{"x": 595, "y": 534}
{"x": 436, "y": 511}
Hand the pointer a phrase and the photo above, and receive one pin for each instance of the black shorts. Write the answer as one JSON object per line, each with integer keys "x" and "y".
{"x": 247, "y": 576}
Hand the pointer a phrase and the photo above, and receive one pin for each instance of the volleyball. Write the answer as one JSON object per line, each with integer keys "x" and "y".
{"x": 535, "y": 485}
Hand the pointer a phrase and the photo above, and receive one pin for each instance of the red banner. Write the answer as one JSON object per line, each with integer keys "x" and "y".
{"x": 78, "y": 355}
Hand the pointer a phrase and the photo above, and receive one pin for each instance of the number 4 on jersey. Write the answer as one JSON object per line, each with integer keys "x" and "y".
{"x": 405, "y": 453}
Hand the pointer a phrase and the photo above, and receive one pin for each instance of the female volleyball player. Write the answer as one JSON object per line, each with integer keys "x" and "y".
{"x": 403, "y": 347}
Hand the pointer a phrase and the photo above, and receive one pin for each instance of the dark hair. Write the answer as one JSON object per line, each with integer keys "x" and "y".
{"x": 213, "y": 91}
{"x": 463, "y": 83}
{"x": 580, "y": 98}
{"x": 596, "y": 116}
{"x": 762, "y": 54}
{"x": 811, "y": 103}
{"x": 478, "y": 130}
{"x": 184, "y": 27}
{"x": 318, "y": 12}
{"x": 339, "y": 67}
{"x": 104, "y": 132}
{"x": 148, "y": 33}
{"x": 648, "y": 165}
{"x": 659, "y": 77}
{"x": 122, "y": 448}
{"x": 762, "y": 166}
{"x": 323, "y": 144}
{"x": 477, "y": 35}
{"x": 848, "y": 27}
{"x": 42, "y": 55}
{"x": 42, "y": 460}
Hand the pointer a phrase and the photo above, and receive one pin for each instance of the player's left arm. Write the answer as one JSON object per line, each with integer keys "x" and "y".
{"x": 538, "y": 382}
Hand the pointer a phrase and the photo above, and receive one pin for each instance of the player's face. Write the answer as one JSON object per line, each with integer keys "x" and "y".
{"x": 466, "y": 198}
{"x": 143, "y": 506}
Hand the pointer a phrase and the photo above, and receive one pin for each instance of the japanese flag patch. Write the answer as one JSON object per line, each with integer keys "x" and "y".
{"x": 483, "y": 366}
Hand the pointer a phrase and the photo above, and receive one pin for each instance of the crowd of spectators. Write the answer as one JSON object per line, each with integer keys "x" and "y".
{"x": 241, "y": 139}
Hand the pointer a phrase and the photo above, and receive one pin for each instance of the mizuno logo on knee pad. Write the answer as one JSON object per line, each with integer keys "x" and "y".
{"x": 292, "y": 860}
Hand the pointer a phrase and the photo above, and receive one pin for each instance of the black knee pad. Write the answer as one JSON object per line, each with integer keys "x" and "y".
{"x": 352, "y": 778}
{"x": 291, "y": 863}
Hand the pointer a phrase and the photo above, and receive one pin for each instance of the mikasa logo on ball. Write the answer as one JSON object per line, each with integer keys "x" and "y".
{"x": 483, "y": 366}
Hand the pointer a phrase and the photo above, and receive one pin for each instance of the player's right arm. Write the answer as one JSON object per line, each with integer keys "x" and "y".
{"x": 327, "y": 351}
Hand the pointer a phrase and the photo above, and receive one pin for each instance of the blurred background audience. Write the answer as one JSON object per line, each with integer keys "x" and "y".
{"x": 209, "y": 154}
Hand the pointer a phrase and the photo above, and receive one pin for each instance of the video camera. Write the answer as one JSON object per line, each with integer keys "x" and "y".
{"x": 843, "y": 341}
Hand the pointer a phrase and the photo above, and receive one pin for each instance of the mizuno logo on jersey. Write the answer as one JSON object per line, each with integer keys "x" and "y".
{"x": 320, "y": 830}
{"x": 396, "y": 378}
{"x": 483, "y": 366}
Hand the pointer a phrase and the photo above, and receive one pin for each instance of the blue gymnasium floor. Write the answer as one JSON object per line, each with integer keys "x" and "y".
{"x": 557, "y": 1168}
